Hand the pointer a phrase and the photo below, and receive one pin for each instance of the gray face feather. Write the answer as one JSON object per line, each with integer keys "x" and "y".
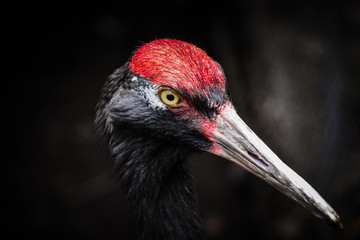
{"x": 130, "y": 102}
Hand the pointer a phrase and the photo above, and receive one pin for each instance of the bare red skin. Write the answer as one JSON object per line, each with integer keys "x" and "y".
{"x": 178, "y": 65}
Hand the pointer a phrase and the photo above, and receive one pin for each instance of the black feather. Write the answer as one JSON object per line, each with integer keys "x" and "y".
{"x": 148, "y": 148}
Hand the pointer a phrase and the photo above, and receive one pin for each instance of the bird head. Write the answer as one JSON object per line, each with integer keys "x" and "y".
{"x": 173, "y": 91}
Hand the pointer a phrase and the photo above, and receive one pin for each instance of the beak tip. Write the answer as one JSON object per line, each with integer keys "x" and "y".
{"x": 336, "y": 223}
{"x": 339, "y": 225}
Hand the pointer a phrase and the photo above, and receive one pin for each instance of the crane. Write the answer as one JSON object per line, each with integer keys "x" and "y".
{"x": 168, "y": 101}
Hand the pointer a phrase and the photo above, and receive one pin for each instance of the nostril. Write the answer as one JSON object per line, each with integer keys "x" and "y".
{"x": 257, "y": 159}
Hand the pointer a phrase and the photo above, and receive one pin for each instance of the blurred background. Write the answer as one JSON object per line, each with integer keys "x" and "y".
{"x": 294, "y": 72}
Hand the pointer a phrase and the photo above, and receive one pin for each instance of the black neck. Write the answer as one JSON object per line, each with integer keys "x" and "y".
{"x": 159, "y": 188}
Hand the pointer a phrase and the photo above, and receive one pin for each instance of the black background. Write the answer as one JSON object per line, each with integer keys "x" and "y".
{"x": 293, "y": 68}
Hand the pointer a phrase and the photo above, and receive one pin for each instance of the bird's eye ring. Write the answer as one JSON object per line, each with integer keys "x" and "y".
{"x": 170, "y": 98}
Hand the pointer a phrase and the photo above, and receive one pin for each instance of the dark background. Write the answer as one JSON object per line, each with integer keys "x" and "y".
{"x": 294, "y": 72}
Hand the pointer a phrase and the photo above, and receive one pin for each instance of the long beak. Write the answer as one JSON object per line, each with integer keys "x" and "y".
{"x": 235, "y": 141}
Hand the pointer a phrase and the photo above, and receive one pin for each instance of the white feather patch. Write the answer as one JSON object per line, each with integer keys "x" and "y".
{"x": 151, "y": 97}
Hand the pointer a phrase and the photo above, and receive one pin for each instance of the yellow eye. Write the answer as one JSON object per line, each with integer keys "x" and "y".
{"x": 170, "y": 98}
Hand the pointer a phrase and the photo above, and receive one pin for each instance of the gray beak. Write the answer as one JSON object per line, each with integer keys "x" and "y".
{"x": 235, "y": 141}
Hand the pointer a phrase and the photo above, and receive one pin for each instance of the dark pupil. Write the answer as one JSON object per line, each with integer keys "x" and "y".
{"x": 170, "y": 97}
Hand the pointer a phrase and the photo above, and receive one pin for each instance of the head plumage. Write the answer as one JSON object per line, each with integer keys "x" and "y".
{"x": 179, "y": 65}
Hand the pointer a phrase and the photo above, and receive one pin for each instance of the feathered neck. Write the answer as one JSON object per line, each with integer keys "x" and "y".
{"x": 159, "y": 188}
